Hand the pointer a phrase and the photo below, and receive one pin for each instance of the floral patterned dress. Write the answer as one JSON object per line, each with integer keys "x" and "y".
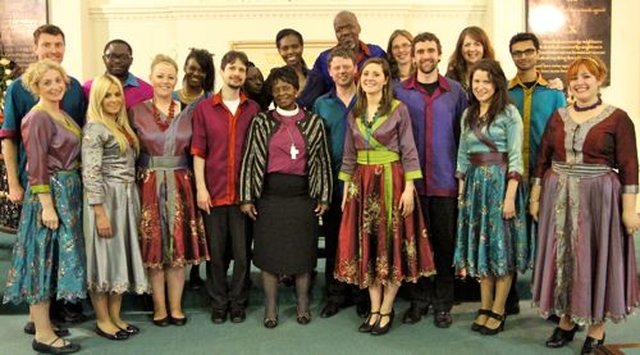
{"x": 376, "y": 244}
{"x": 171, "y": 228}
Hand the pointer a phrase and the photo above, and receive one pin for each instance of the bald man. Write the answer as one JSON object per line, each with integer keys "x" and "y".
{"x": 347, "y": 30}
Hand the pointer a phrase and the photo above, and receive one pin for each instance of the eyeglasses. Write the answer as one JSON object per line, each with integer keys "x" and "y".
{"x": 401, "y": 46}
{"x": 112, "y": 56}
{"x": 526, "y": 53}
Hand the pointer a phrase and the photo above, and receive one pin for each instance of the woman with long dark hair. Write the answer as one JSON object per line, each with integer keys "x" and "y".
{"x": 491, "y": 242}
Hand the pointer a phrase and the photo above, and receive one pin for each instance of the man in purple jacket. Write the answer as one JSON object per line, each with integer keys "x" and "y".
{"x": 435, "y": 105}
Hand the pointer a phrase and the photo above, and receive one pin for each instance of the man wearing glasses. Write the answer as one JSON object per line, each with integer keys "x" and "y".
{"x": 117, "y": 59}
{"x": 536, "y": 99}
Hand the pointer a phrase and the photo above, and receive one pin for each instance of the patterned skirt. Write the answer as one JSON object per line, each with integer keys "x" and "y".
{"x": 376, "y": 244}
{"x": 486, "y": 243}
{"x": 585, "y": 264}
{"x": 171, "y": 227}
{"x": 49, "y": 263}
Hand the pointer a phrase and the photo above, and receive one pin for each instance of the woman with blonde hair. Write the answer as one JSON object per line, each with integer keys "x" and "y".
{"x": 171, "y": 229}
{"x": 48, "y": 257}
{"x": 111, "y": 208}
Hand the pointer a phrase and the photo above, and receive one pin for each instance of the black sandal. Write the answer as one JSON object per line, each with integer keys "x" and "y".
{"x": 481, "y": 312}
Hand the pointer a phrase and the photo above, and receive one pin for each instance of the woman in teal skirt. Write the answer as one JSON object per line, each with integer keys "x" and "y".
{"x": 48, "y": 257}
{"x": 491, "y": 241}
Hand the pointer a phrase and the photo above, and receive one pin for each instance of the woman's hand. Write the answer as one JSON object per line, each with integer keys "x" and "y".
{"x": 534, "y": 209}
{"x": 204, "y": 200}
{"x": 16, "y": 193}
{"x": 509, "y": 208}
{"x": 50, "y": 218}
{"x": 103, "y": 224}
{"x": 345, "y": 191}
{"x": 321, "y": 208}
{"x": 250, "y": 210}
{"x": 406, "y": 200}
{"x": 631, "y": 222}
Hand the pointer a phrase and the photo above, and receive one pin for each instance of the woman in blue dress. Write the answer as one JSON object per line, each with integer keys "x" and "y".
{"x": 491, "y": 241}
{"x": 48, "y": 257}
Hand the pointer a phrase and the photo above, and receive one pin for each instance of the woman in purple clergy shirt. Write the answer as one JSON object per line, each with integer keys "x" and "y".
{"x": 285, "y": 185}
{"x": 587, "y": 169}
{"x": 48, "y": 257}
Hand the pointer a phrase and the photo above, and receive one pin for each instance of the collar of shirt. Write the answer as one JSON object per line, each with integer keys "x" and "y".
{"x": 217, "y": 98}
{"x": 131, "y": 81}
{"x": 516, "y": 81}
{"x": 412, "y": 84}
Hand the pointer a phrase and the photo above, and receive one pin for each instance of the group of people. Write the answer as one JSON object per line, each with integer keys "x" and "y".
{"x": 417, "y": 178}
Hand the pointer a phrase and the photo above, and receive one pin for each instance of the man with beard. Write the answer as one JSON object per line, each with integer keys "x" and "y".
{"x": 220, "y": 126}
{"x": 536, "y": 101}
{"x": 435, "y": 105}
{"x": 334, "y": 108}
{"x": 347, "y": 30}
{"x": 118, "y": 57}
{"x": 49, "y": 43}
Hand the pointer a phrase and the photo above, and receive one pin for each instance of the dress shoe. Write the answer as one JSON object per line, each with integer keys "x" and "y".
{"x": 178, "y": 321}
{"x": 131, "y": 329}
{"x": 414, "y": 314}
{"x": 303, "y": 318}
{"x": 442, "y": 319}
{"x": 237, "y": 315}
{"x": 561, "y": 337}
{"x": 481, "y": 312}
{"x": 30, "y": 328}
{"x": 484, "y": 330}
{"x": 365, "y": 327}
{"x": 162, "y": 322}
{"x": 219, "y": 316}
{"x": 591, "y": 345}
{"x": 329, "y": 310}
{"x": 119, "y": 335}
{"x": 270, "y": 323}
{"x": 67, "y": 313}
{"x": 67, "y": 348}
{"x": 381, "y": 330}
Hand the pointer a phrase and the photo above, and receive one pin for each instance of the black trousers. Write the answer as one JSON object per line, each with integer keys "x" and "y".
{"x": 228, "y": 229}
{"x": 440, "y": 214}
{"x": 337, "y": 292}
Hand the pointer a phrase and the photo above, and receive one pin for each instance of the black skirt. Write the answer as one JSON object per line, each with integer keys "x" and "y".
{"x": 286, "y": 231}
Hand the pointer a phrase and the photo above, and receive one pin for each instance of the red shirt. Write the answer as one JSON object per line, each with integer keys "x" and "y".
{"x": 218, "y": 138}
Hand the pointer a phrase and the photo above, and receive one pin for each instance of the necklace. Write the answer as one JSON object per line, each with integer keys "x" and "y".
{"x": 293, "y": 151}
{"x": 156, "y": 115}
{"x": 587, "y": 108}
{"x": 186, "y": 98}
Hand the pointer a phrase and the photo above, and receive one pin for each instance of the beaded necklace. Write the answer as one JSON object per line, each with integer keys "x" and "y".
{"x": 156, "y": 115}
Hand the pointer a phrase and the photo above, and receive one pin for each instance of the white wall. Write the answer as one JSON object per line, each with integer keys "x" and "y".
{"x": 172, "y": 27}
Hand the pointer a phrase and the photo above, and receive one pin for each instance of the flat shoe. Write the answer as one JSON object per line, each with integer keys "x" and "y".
{"x": 303, "y": 318}
{"x": 119, "y": 335}
{"x": 68, "y": 348}
{"x": 178, "y": 321}
{"x": 161, "y": 322}
{"x": 131, "y": 329}
{"x": 270, "y": 323}
{"x": 30, "y": 328}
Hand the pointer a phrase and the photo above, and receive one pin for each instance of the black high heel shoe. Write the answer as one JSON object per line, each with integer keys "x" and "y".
{"x": 377, "y": 329}
{"x": 365, "y": 327}
{"x": 561, "y": 337}
{"x": 484, "y": 330}
{"x": 481, "y": 312}
{"x": 590, "y": 345}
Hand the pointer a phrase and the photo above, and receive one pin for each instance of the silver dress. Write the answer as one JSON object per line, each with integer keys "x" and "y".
{"x": 113, "y": 264}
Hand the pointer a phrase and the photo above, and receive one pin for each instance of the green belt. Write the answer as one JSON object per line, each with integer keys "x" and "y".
{"x": 384, "y": 158}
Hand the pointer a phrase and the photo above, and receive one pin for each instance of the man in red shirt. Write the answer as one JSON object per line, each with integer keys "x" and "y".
{"x": 220, "y": 125}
